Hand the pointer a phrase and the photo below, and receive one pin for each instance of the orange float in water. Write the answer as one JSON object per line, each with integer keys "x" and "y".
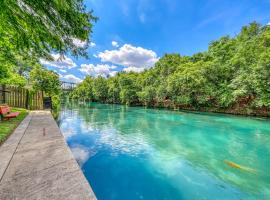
{"x": 237, "y": 166}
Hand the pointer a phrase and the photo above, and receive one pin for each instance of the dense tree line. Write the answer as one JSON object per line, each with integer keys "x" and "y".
{"x": 234, "y": 73}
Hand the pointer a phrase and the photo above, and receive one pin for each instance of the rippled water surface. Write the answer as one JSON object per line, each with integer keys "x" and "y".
{"x": 131, "y": 153}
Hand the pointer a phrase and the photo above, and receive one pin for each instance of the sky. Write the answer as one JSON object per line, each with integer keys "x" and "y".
{"x": 131, "y": 35}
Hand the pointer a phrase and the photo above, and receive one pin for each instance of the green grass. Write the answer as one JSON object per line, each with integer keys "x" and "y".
{"x": 7, "y": 126}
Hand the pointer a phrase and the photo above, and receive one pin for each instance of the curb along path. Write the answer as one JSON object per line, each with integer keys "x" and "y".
{"x": 36, "y": 163}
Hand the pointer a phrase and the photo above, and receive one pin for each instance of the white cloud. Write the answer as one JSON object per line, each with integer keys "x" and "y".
{"x": 92, "y": 44}
{"x": 59, "y": 61}
{"x": 142, "y": 17}
{"x": 121, "y": 143}
{"x": 71, "y": 78}
{"x": 98, "y": 70}
{"x": 69, "y": 132}
{"x": 130, "y": 56}
{"x": 146, "y": 9}
{"x": 115, "y": 44}
{"x": 211, "y": 19}
{"x": 124, "y": 8}
{"x": 133, "y": 69}
{"x": 82, "y": 153}
{"x": 79, "y": 43}
{"x": 113, "y": 73}
{"x": 63, "y": 70}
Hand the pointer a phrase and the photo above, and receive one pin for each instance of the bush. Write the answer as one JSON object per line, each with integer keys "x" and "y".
{"x": 56, "y": 102}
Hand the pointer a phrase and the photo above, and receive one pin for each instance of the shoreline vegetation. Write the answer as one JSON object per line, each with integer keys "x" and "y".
{"x": 236, "y": 112}
{"x": 232, "y": 76}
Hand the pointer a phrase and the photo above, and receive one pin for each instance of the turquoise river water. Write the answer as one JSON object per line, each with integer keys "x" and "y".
{"x": 129, "y": 153}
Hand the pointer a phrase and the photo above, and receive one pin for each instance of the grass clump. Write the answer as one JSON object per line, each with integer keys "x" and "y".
{"x": 7, "y": 126}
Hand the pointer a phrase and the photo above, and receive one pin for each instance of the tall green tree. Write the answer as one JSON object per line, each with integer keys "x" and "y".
{"x": 100, "y": 89}
{"x": 128, "y": 88}
{"x": 84, "y": 91}
{"x": 30, "y": 30}
{"x": 45, "y": 80}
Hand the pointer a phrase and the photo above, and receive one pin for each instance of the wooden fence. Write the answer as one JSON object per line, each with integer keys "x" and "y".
{"x": 21, "y": 97}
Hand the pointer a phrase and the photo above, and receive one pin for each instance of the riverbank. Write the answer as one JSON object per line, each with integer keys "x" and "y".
{"x": 234, "y": 110}
{"x": 36, "y": 163}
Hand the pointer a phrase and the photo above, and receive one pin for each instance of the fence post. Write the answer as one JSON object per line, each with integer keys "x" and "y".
{"x": 4, "y": 93}
{"x": 27, "y": 99}
{"x": 42, "y": 97}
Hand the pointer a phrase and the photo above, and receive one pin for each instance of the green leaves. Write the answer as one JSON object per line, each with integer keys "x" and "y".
{"x": 100, "y": 89}
{"x": 45, "y": 80}
{"x": 45, "y": 26}
{"x": 233, "y": 73}
{"x": 30, "y": 30}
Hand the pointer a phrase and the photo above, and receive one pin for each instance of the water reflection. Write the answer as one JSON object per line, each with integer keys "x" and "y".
{"x": 81, "y": 153}
{"x": 189, "y": 149}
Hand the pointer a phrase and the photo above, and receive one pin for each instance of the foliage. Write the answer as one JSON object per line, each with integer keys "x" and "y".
{"x": 14, "y": 79}
{"x": 233, "y": 72}
{"x": 45, "y": 80}
{"x": 84, "y": 91}
{"x": 100, "y": 89}
{"x": 31, "y": 30}
{"x": 56, "y": 102}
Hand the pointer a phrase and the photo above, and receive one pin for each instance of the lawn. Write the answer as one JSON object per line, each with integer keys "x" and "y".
{"x": 7, "y": 127}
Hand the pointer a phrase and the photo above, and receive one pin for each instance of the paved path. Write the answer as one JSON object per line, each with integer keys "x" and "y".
{"x": 35, "y": 163}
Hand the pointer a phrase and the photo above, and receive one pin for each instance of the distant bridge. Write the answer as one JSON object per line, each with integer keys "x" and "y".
{"x": 67, "y": 86}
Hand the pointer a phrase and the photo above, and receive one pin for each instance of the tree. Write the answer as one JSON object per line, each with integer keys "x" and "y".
{"x": 45, "y": 80}
{"x": 30, "y": 30}
{"x": 114, "y": 89}
{"x": 100, "y": 89}
{"x": 84, "y": 91}
{"x": 233, "y": 73}
{"x": 147, "y": 95}
{"x": 128, "y": 88}
{"x": 44, "y": 26}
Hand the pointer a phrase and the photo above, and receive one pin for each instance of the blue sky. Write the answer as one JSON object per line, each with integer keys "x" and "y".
{"x": 131, "y": 35}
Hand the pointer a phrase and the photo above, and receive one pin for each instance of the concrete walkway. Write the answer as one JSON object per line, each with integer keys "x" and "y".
{"x": 36, "y": 163}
